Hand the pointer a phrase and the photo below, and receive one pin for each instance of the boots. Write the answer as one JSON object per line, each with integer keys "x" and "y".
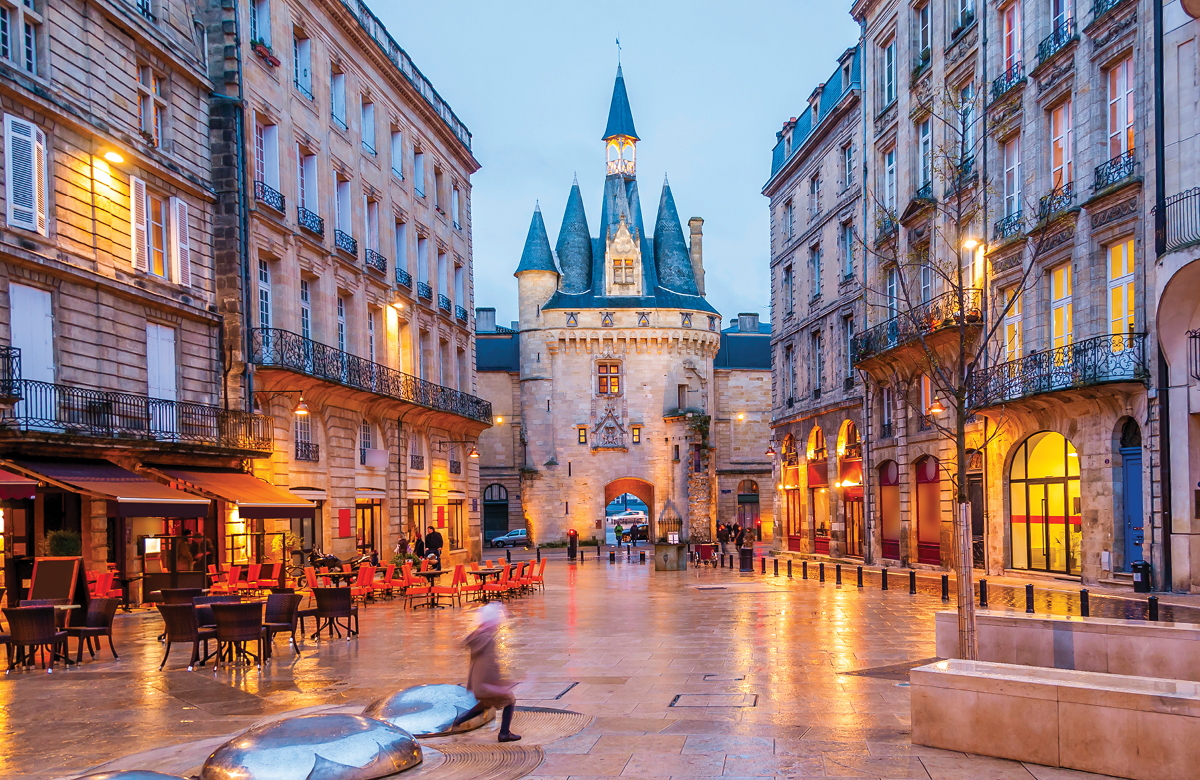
{"x": 505, "y": 722}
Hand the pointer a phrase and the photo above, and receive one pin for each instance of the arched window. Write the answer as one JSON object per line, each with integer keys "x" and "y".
{"x": 929, "y": 509}
{"x": 747, "y": 486}
{"x": 614, "y": 152}
{"x": 816, "y": 444}
{"x": 495, "y": 511}
{"x": 495, "y": 492}
{"x": 889, "y": 508}
{"x": 1045, "y": 518}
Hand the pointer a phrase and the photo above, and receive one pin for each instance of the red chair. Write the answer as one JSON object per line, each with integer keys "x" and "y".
{"x": 451, "y": 590}
{"x": 269, "y": 577}
{"x": 385, "y": 585}
{"x": 251, "y": 581}
{"x": 215, "y": 586}
{"x": 363, "y": 586}
{"x": 413, "y": 587}
{"x": 539, "y": 578}
{"x": 469, "y": 586}
{"x": 501, "y": 586}
{"x": 232, "y": 578}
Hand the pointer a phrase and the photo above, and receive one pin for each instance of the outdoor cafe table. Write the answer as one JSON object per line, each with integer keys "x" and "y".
{"x": 432, "y": 575}
{"x": 483, "y": 574}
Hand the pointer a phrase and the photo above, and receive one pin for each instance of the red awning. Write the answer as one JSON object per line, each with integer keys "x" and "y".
{"x": 255, "y": 498}
{"x": 14, "y": 487}
{"x": 128, "y": 494}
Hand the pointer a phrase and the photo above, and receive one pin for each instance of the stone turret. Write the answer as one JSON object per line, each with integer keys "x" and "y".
{"x": 696, "y": 250}
{"x": 574, "y": 246}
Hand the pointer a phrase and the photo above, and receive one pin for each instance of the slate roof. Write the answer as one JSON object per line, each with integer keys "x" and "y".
{"x": 574, "y": 247}
{"x": 497, "y": 352}
{"x": 620, "y": 117}
{"x": 751, "y": 351}
{"x": 537, "y": 255}
{"x": 836, "y": 88}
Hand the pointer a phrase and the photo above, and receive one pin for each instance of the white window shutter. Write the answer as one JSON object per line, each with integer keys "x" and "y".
{"x": 40, "y": 183}
{"x": 181, "y": 244}
{"x": 21, "y": 180}
{"x": 139, "y": 245}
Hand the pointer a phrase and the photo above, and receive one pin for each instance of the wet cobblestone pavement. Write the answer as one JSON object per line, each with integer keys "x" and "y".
{"x": 704, "y": 673}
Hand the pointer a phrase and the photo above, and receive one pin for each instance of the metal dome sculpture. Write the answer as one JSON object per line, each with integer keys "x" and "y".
{"x": 429, "y": 710}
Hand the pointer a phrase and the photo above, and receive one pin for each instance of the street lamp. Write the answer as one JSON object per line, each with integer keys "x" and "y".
{"x": 770, "y": 453}
{"x": 971, "y": 244}
{"x": 936, "y": 407}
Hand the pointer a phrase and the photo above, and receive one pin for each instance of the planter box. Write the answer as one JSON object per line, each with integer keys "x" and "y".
{"x": 670, "y": 557}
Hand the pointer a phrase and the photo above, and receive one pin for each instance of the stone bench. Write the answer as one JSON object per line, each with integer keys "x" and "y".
{"x": 1131, "y": 647}
{"x": 1135, "y": 727}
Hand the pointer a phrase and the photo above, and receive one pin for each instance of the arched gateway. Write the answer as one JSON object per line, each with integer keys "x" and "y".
{"x": 638, "y": 487}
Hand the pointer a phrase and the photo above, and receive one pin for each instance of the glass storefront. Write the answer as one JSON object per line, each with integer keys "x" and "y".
{"x": 1045, "y": 518}
{"x": 889, "y": 508}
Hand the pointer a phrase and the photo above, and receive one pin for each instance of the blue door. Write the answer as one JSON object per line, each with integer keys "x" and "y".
{"x": 1131, "y": 476}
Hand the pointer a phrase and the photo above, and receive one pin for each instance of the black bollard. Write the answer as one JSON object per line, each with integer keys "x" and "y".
{"x": 912, "y": 582}
{"x": 775, "y": 563}
{"x": 539, "y": 553}
{"x": 508, "y": 556}
{"x": 1085, "y": 608}
{"x": 883, "y": 577}
{"x": 789, "y": 568}
{"x": 860, "y": 576}
{"x": 643, "y": 556}
{"x": 722, "y": 560}
{"x": 821, "y": 568}
{"x": 612, "y": 556}
{"x": 837, "y": 574}
{"x": 1152, "y": 603}
{"x": 1029, "y": 599}
{"x": 764, "y": 564}
{"x": 803, "y": 570}
{"x": 945, "y": 587}
{"x": 983, "y": 594}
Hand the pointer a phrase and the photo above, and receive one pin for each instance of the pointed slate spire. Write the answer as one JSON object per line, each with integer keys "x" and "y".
{"x": 671, "y": 254}
{"x": 537, "y": 255}
{"x": 620, "y": 118}
{"x": 574, "y": 247}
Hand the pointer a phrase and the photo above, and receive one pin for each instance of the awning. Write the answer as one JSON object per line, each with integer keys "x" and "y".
{"x": 14, "y": 487}
{"x": 312, "y": 494}
{"x": 128, "y": 494}
{"x": 255, "y": 498}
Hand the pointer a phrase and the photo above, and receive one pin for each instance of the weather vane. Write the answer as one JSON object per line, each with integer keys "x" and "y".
{"x": 618, "y": 48}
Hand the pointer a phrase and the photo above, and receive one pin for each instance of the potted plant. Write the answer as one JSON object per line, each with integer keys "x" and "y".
{"x": 263, "y": 50}
{"x": 64, "y": 544}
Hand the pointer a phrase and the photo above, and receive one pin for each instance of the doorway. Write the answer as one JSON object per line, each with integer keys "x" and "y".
{"x": 854, "y": 522}
{"x": 975, "y": 497}
{"x": 1045, "y": 520}
{"x": 495, "y": 511}
{"x": 1132, "y": 521}
{"x": 929, "y": 510}
{"x": 748, "y": 508}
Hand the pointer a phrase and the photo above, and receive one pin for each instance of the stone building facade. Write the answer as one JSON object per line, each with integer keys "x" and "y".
{"x": 345, "y": 248}
{"x": 612, "y": 387}
{"x": 816, "y": 195}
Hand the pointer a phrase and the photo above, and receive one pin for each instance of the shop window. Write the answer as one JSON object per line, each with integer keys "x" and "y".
{"x": 1045, "y": 517}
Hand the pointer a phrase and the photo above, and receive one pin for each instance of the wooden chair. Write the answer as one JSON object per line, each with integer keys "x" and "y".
{"x": 182, "y": 627}
{"x": 97, "y": 623}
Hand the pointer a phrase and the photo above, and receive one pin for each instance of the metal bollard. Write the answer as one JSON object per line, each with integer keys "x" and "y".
{"x": 612, "y": 556}
{"x": 983, "y": 594}
{"x": 912, "y": 582}
{"x": 539, "y": 554}
{"x": 508, "y": 556}
{"x": 643, "y": 556}
{"x": 1085, "y": 608}
{"x": 764, "y": 564}
{"x": 821, "y": 567}
{"x": 860, "y": 576}
{"x": 789, "y": 568}
{"x": 775, "y": 563}
{"x": 883, "y": 576}
{"x": 1152, "y": 603}
{"x": 803, "y": 570}
{"x": 722, "y": 560}
{"x": 1029, "y": 599}
{"x": 945, "y": 587}
{"x": 837, "y": 574}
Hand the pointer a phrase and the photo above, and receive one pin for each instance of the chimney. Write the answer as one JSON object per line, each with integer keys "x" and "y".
{"x": 515, "y": 325}
{"x": 485, "y": 320}
{"x": 697, "y": 251}
{"x": 747, "y": 322}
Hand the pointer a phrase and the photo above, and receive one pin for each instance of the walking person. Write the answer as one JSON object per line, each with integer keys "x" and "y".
{"x": 433, "y": 545}
{"x": 618, "y": 531}
{"x": 484, "y": 680}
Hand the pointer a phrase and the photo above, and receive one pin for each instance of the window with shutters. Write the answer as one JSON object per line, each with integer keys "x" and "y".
{"x": 26, "y": 188}
{"x": 306, "y": 171}
{"x": 260, "y": 22}
{"x": 156, "y": 231}
{"x": 151, "y": 104}
{"x": 342, "y": 201}
{"x": 266, "y": 154}
{"x": 368, "y": 126}
{"x": 160, "y": 234}
{"x": 20, "y": 34}
{"x": 302, "y": 63}
{"x": 398, "y": 153}
{"x": 371, "y": 214}
{"x": 337, "y": 96}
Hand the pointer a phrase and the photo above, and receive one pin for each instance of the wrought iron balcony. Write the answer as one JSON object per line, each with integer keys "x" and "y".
{"x": 925, "y": 192}
{"x": 416, "y": 462}
{"x": 1057, "y": 201}
{"x": 1094, "y": 361}
{"x": 887, "y": 227}
{"x": 1056, "y": 41}
{"x": 308, "y": 452}
{"x": 283, "y": 349}
{"x": 1007, "y": 80}
{"x": 10, "y": 374}
{"x": 965, "y": 174}
{"x": 310, "y": 221}
{"x": 424, "y": 291}
{"x": 1194, "y": 353}
{"x": 403, "y": 277}
{"x": 269, "y": 196}
{"x": 1101, "y": 7}
{"x": 345, "y": 242}
{"x": 1183, "y": 219}
{"x": 460, "y": 313}
{"x": 102, "y": 414}
{"x": 924, "y": 318}
{"x": 1115, "y": 170}
{"x": 376, "y": 260}
{"x": 456, "y": 467}
{"x": 886, "y": 430}
{"x": 444, "y": 303}
{"x": 303, "y": 89}
{"x": 1007, "y": 227}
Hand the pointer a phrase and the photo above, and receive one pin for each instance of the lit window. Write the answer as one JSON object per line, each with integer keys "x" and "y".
{"x": 582, "y": 435}
{"x": 157, "y": 234}
{"x": 609, "y": 378}
{"x": 637, "y": 434}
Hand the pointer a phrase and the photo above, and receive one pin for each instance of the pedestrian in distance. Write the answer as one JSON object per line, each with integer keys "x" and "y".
{"x": 484, "y": 679}
{"x": 433, "y": 545}
{"x": 618, "y": 531}
{"x": 739, "y": 539}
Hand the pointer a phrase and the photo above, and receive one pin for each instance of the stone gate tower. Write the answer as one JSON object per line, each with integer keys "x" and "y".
{"x": 616, "y": 354}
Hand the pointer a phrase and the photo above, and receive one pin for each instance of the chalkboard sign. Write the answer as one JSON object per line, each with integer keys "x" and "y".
{"x": 60, "y": 578}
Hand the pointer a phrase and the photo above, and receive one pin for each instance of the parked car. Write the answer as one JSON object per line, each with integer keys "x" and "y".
{"x": 627, "y": 517}
{"x": 515, "y": 538}
{"x": 636, "y": 533}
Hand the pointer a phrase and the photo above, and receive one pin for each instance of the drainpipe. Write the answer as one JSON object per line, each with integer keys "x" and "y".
{"x": 868, "y": 516}
{"x": 1160, "y": 247}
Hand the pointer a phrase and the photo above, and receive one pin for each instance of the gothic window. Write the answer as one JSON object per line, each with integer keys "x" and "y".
{"x": 643, "y": 319}
{"x": 608, "y": 378}
{"x": 687, "y": 320}
{"x": 712, "y": 323}
{"x": 623, "y": 270}
{"x": 572, "y": 319}
{"x": 606, "y": 319}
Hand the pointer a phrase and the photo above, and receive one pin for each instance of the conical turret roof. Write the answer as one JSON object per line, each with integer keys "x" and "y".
{"x": 620, "y": 117}
{"x": 574, "y": 247}
{"x": 537, "y": 255}
{"x": 671, "y": 255}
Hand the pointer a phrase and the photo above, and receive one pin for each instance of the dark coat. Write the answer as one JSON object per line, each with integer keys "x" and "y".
{"x": 484, "y": 679}
{"x": 434, "y": 542}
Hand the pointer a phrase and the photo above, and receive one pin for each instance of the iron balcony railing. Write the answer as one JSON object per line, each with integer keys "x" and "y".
{"x": 310, "y": 221}
{"x": 1183, "y": 219}
{"x": 460, "y": 313}
{"x": 885, "y": 430}
{"x": 345, "y": 242}
{"x": 1101, "y": 7}
{"x": 269, "y": 196}
{"x": 403, "y": 277}
{"x": 925, "y": 192}
{"x": 444, "y": 303}
{"x": 1194, "y": 353}
{"x": 362, "y": 456}
{"x": 304, "y": 89}
{"x": 1057, "y": 201}
{"x": 79, "y": 411}
{"x": 10, "y": 374}
{"x": 964, "y": 176}
{"x": 1007, "y": 227}
{"x": 456, "y": 467}
{"x": 291, "y": 351}
{"x": 923, "y": 318}
{"x": 1115, "y": 170}
{"x": 1094, "y": 361}
{"x": 1053, "y": 43}
{"x": 308, "y": 452}
{"x": 376, "y": 260}
{"x": 1007, "y": 80}
{"x": 424, "y": 291}
{"x": 416, "y": 462}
